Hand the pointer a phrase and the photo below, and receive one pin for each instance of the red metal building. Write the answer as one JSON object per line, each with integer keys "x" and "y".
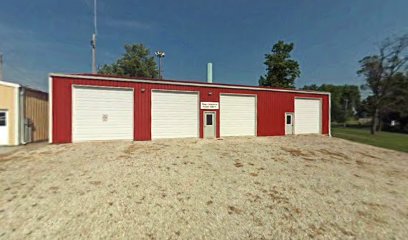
{"x": 96, "y": 107}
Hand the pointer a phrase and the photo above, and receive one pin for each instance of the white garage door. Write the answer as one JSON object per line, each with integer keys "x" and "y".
{"x": 237, "y": 115}
{"x": 102, "y": 114}
{"x": 174, "y": 114}
{"x": 307, "y": 116}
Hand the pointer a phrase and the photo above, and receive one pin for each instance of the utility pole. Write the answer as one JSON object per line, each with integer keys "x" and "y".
{"x": 160, "y": 55}
{"x": 93, "y": 42}
{"x": 1, "y": 66}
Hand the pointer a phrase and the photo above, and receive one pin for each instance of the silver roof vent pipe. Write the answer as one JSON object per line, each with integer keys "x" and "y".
{"x": 209, "y": 73}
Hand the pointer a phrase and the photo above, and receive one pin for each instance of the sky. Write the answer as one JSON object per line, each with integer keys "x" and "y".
{"x": 330, "y": 37}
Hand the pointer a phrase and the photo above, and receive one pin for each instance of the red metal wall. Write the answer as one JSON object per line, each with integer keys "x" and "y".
{"x": 270, "y": 112}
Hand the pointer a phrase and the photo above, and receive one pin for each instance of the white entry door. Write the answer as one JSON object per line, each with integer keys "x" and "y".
{"x": 102, "y": 114}
{"x": 237, "y": 115}
{"x": 288, "y": 123}
{"x": 209, "y": 124}
{"x": 4, "y": 134}
{"x": 307, "y": 116}
{"x": 175, "y": 114}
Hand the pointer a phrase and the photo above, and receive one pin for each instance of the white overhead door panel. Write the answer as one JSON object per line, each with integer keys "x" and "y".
{"x": 307, "y": 116}
{"x": 237, "y": 115}
{"x": 102, "y": 114}
{"x": 174, "y": 114}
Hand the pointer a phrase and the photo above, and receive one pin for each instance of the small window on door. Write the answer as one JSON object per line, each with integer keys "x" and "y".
{"x": 209, "y": 120}
{"x": 288, "y": 119}
{"x": 3, "y": 119}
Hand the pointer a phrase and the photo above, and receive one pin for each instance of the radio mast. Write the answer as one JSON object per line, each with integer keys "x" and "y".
{"x": 93, "y": 42}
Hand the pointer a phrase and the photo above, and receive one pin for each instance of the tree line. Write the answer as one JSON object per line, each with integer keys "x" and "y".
{"x": 385, "y": 75}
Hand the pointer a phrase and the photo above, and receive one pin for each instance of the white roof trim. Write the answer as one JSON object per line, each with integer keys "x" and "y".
{"x": 198, "y": 84}
{"x": 9, "y": 84}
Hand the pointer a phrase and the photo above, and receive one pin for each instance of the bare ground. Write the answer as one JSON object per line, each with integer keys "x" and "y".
{"x": 237, "y": 188}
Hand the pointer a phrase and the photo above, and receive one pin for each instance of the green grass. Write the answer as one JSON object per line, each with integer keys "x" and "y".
{"x": 395, "y": 141}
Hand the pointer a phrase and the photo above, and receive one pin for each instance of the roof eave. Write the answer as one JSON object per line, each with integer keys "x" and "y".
{"x": 173, "y": 82}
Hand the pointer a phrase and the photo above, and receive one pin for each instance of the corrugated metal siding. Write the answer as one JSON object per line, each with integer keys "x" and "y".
{"x": 271, "y": 106}
{"x": 271, "y": 112}
{"x": 36, "y": 111}
{"x": 8, "y": 103}
{"x": 61, "y": 111}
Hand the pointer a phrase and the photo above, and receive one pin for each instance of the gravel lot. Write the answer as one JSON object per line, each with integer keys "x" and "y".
{"x": 237, "y": 188}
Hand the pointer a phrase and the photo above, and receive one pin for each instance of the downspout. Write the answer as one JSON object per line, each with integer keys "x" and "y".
{"x": 22, "y": 116}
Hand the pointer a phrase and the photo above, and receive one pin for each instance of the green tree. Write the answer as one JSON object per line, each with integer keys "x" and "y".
{"x": 395, "y": 105}
{"x": 135, "y": 62}
{"x": 281, "y": 70}
{"x": 380, "y": 73}
{"x": 345, "y": 100}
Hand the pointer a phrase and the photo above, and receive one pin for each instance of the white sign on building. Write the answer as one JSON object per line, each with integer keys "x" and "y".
{"x": 210, "y": 105}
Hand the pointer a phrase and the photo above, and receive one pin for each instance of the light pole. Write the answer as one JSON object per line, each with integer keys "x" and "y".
{"x": 160, "y": 55}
